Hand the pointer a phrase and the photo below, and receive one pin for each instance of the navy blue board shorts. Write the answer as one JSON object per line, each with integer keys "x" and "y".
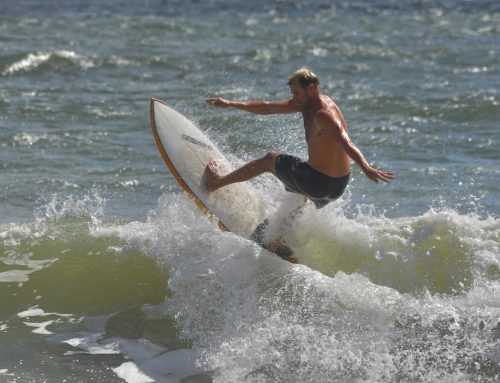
{"x": 300, "y": 177}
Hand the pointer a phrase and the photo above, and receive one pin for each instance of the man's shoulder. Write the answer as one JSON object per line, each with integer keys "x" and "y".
{"x": 328, "y": 118}
{"x": 324, "y": 114}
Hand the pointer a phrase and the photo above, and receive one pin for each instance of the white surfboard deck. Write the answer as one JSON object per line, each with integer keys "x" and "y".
{"x": 186, "y": 150}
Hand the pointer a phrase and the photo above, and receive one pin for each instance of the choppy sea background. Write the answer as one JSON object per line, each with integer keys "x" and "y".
{"x": 108, "y": 273}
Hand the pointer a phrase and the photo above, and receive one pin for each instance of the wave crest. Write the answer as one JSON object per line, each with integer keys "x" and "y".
{"x": 34, "y": 60}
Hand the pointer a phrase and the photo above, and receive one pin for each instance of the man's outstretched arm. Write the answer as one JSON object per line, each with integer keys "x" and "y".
{"x": 257, "y": 107}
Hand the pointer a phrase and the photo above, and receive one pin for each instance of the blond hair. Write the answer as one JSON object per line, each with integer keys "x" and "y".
{"x": 304, "y": 76}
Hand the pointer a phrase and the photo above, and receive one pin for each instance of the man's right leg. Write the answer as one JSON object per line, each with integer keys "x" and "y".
{"x": 245, "y": 173}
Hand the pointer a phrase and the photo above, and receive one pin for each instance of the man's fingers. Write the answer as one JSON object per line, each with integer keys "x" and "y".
{"x": 216, "y": 101}
{"x": 386, "y": 177}
{"x": 212, "y": 100}
{"x": 381, "y": 175}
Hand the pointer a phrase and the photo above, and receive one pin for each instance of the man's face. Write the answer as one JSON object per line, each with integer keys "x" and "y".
{"x": 299, "y": 94}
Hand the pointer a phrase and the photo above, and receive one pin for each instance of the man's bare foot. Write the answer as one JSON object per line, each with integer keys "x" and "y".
{"x": 281, "y": 250}
{"x": 212, "y": 173}
{"x": 290, "y": 259}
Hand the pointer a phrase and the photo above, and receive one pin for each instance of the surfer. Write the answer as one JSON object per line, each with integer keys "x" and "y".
{"x": 324, "y": 176}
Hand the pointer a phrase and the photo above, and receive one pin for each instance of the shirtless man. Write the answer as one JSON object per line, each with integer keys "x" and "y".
{"x": 324, "y": 177}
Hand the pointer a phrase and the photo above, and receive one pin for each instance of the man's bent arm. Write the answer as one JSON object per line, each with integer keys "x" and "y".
{"x": 352, "y": 150}
{"x": 257, "y": 107}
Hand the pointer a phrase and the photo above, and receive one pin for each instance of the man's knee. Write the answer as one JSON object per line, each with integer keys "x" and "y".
{"x": 271, "y": 156}
{"x": 270, "y": 159}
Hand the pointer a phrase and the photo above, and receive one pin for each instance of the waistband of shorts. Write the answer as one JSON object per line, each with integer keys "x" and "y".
{"x": 346, "y": 177}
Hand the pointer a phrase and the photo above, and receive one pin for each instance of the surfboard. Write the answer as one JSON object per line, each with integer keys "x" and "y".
{"x": 186, "y": 150}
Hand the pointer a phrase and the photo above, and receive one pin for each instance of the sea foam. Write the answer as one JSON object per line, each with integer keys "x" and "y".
{"x": 376, "y": 291}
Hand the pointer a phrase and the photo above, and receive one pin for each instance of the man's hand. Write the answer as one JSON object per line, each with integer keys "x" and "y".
{"x": 378, "y": 175}
{"x": 217, "y": 101}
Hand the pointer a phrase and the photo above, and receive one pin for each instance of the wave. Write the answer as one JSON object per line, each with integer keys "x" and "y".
{"x": 255, "y": 317}
{"x": 253, "y": 314}
{"x": 61, "y": 59}
{"x": 57, "y": 58}
{"x": 381, "y": 299}
{"x": 441, "y": 252}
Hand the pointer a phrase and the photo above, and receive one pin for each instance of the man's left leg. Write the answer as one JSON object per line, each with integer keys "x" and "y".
{"x": 284, "y": 225}
{"x": 246, "y": 172}
{"x": 269, "y": 234}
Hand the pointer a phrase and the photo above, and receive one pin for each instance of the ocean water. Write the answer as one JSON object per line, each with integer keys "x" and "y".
{"x": 108, "y": 273}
